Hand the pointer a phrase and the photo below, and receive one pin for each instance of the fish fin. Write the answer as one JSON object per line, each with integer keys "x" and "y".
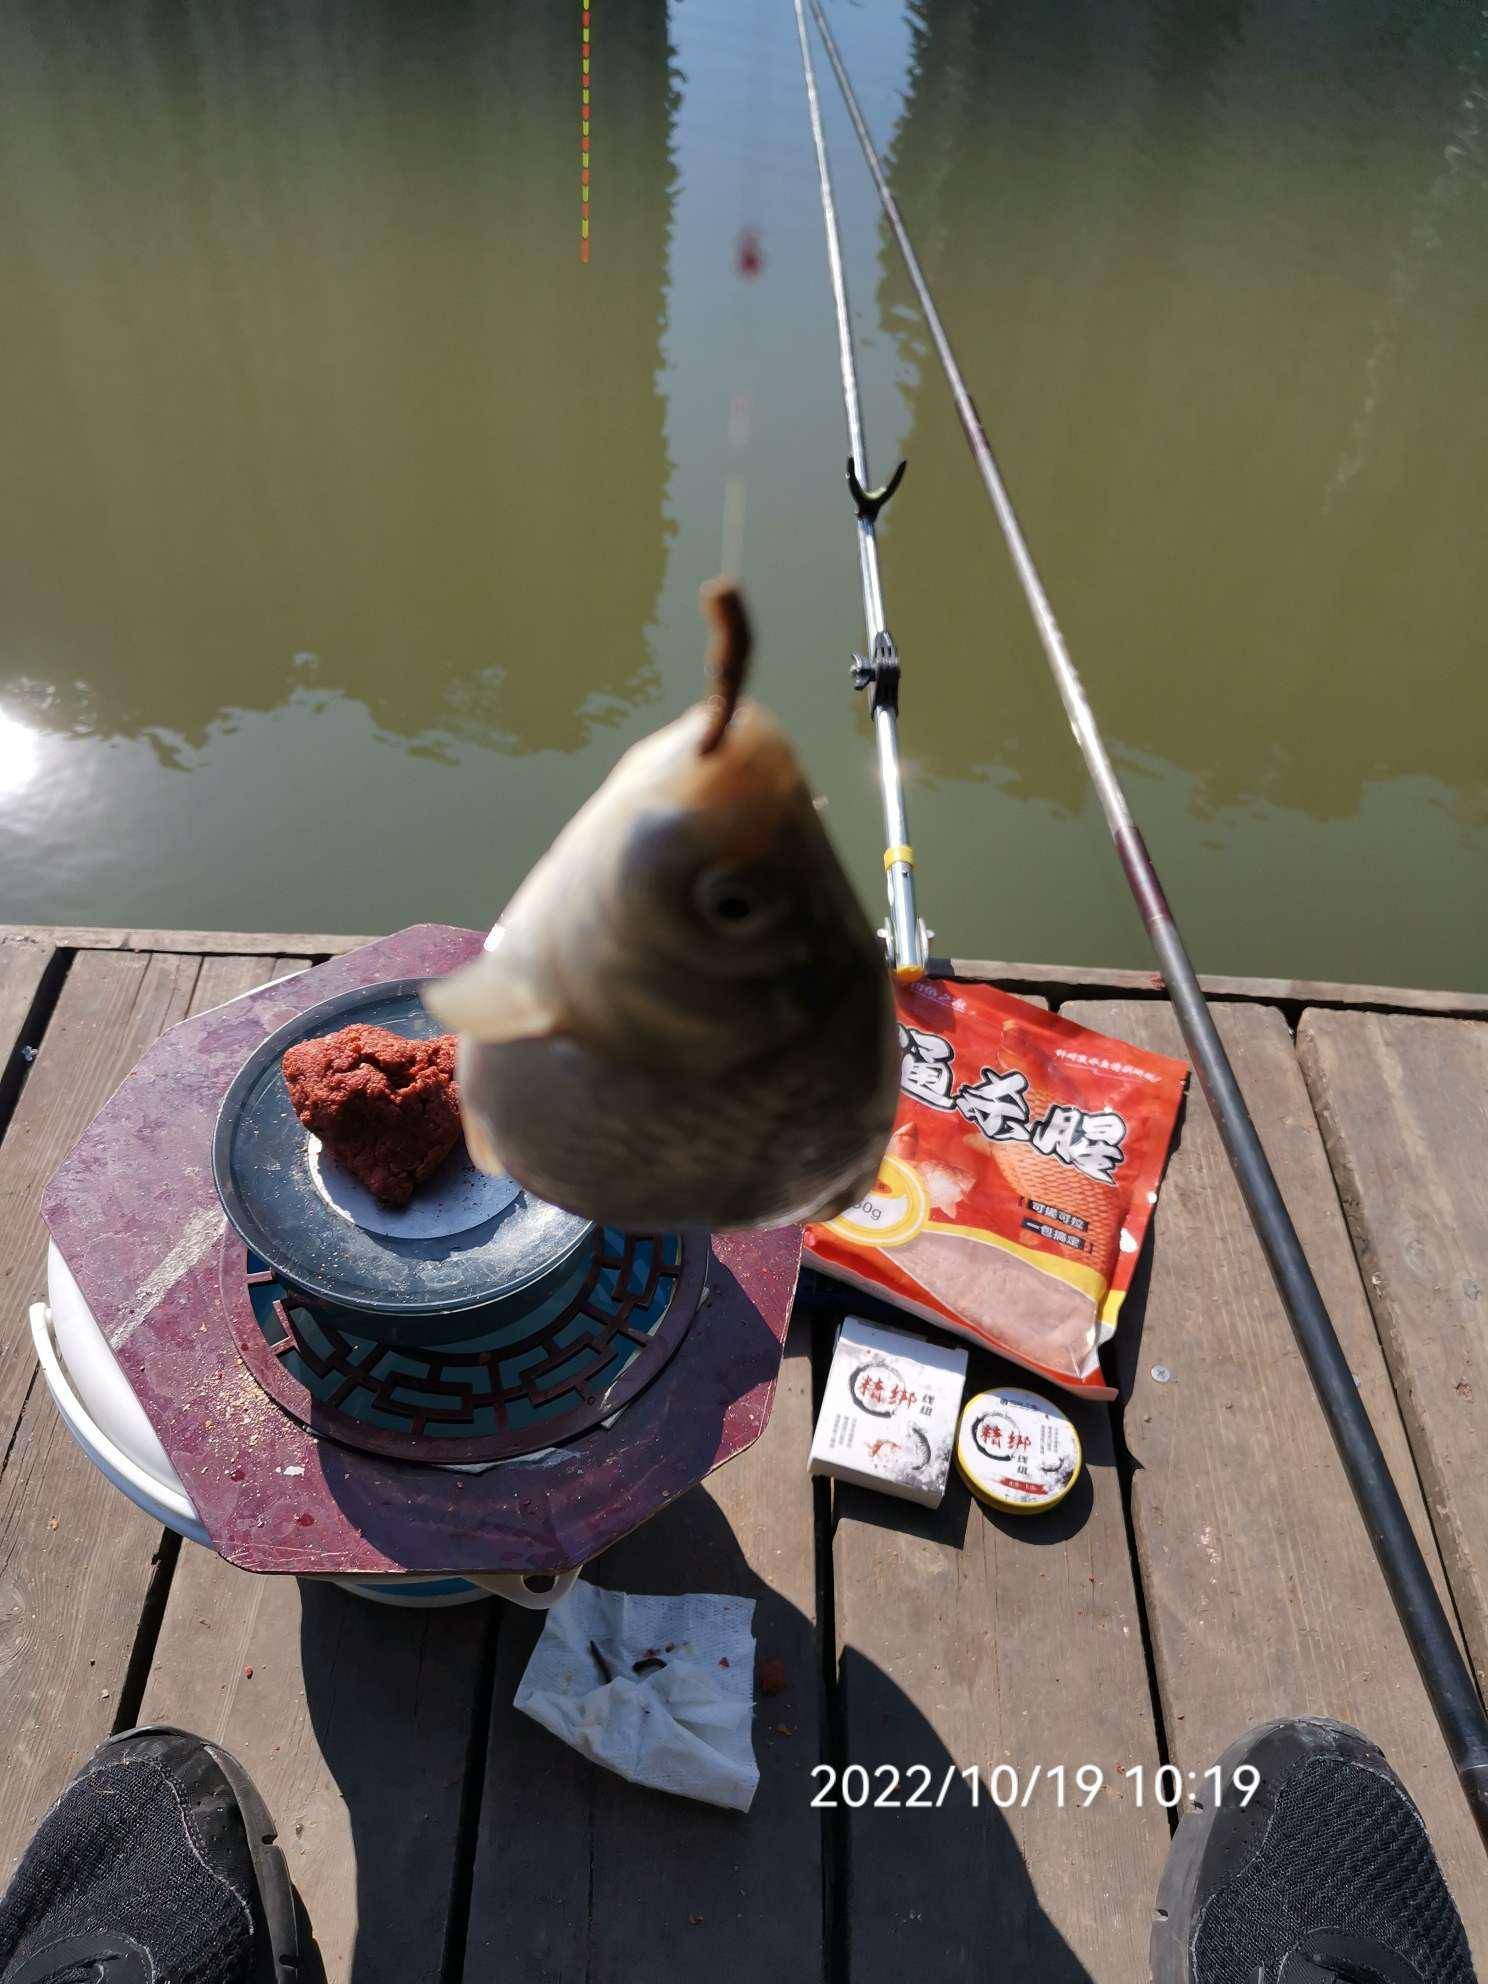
{"x": 478, "y": 1143}
{"x": 491, "y": 1000}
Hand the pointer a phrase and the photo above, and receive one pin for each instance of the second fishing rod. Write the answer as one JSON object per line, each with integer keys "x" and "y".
{"x": 1448, "y": 1679}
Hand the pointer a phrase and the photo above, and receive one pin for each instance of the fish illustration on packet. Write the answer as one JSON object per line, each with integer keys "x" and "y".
{"x": 1022, "y": 1172}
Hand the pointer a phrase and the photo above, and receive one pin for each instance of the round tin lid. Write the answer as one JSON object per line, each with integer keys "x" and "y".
{"x": 1017, "y": 1451}
{"x": 465, "y": 1241}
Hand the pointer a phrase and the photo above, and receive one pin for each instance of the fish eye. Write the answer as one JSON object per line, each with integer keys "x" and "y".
{"x": 736, "y": 904}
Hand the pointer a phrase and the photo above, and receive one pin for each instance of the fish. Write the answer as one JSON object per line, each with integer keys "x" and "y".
{"x": 683, "y": 1017}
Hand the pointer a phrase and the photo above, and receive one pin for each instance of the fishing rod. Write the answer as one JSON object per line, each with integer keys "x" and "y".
{"x": 904, "y": 935}
{"x": 1447, "y": 1677}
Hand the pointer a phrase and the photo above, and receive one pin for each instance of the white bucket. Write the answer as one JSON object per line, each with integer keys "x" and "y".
{"x": 100, "y": 1410}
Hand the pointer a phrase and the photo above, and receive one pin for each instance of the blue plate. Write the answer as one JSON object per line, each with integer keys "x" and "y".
{"x": 465, "y": 1242}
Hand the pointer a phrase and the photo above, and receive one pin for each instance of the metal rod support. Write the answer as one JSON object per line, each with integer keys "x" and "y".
{"x": 905, "y": 933}
{"x": 1445, "y": 1672}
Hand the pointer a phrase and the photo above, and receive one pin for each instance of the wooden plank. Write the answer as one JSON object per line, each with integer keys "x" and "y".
{"x": 581, "y": 1878}
{"x": 109, "y": 1011}
{"x": 1262, "y": 1591}
{"x": 967, "y": 1638}
{"x": 247, "y": 943}
{"x": 1403, "y": 1105}
{"x": 970, "y": 1639}
{"x": 1063, "y": 981}
{"x": 223, "y": 978}
{"x": 203, "y": 943}
{"x": 75, "y": 1558}
{"x": 1075, "y": 981}
{"x": 355, "y": 1719}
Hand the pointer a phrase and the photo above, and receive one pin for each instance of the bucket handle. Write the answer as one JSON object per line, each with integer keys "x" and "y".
{"x": 535, "y": 1590}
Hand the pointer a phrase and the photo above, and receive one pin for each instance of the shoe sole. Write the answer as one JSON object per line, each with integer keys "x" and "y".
{"x": 277, "y": 1945}
{"x": 1235, "y": 1832}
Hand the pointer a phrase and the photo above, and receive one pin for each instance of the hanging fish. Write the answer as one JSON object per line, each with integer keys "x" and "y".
{"x": 684, "y": 1018}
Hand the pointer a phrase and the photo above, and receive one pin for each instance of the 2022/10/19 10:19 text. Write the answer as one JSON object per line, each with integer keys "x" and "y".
{"x": 916, "y": 1787}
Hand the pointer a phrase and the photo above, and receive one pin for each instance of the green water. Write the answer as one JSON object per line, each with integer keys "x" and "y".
{"x": 350, "y": 525}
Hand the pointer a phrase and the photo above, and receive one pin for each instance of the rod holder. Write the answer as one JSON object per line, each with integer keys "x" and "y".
{"x": 868, "y": 502}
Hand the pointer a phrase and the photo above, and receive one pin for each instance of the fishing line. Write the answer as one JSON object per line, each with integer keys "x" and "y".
{"x": 1445, "y": 1673}
{"x": 731, "y": 550}
{"x": 748, "y": 264}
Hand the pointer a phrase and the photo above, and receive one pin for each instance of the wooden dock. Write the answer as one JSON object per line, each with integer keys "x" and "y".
{"x": 1209, "y": 1572}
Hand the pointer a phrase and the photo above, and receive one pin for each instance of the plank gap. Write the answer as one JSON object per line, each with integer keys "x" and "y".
{"x": 147, "y": 1632}
{"x": 317, "y": 944}
{"x": 28, "y": 1038}
{"x": 1059, "y": 983}
{"x": 472, "y": 1796}
{"x": 1126, "y": 1470}
{"x": 20, "y": 1418}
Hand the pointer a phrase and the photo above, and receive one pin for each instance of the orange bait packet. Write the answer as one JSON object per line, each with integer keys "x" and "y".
{"x": 1014, "y": 1197}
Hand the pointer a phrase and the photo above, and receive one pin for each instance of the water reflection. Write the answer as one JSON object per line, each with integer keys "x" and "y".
{"x": 19, "y": 757}
{"x": 1194, "y": 259}
{"x": 349, "y": 527}
{"x": 312, "y": 393}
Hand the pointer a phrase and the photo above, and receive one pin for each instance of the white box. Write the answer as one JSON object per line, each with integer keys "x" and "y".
{"x": 889, "y": 1413}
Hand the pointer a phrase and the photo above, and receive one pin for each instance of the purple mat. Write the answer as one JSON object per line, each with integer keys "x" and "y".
{"x": 135, "y": 1214}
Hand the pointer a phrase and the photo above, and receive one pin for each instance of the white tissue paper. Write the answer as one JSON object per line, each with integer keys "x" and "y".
{"x": 683, "y": 1727}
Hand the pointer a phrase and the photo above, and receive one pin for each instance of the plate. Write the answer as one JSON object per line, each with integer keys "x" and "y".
{"x": 465, "y": 1241}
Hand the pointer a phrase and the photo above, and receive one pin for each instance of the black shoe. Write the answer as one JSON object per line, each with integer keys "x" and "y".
{"x": 1324, "y": 1876}
{"x": 157, "y": 1865}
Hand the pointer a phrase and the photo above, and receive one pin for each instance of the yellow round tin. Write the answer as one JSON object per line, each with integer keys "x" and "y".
{"x": 1017, "y": 1451}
